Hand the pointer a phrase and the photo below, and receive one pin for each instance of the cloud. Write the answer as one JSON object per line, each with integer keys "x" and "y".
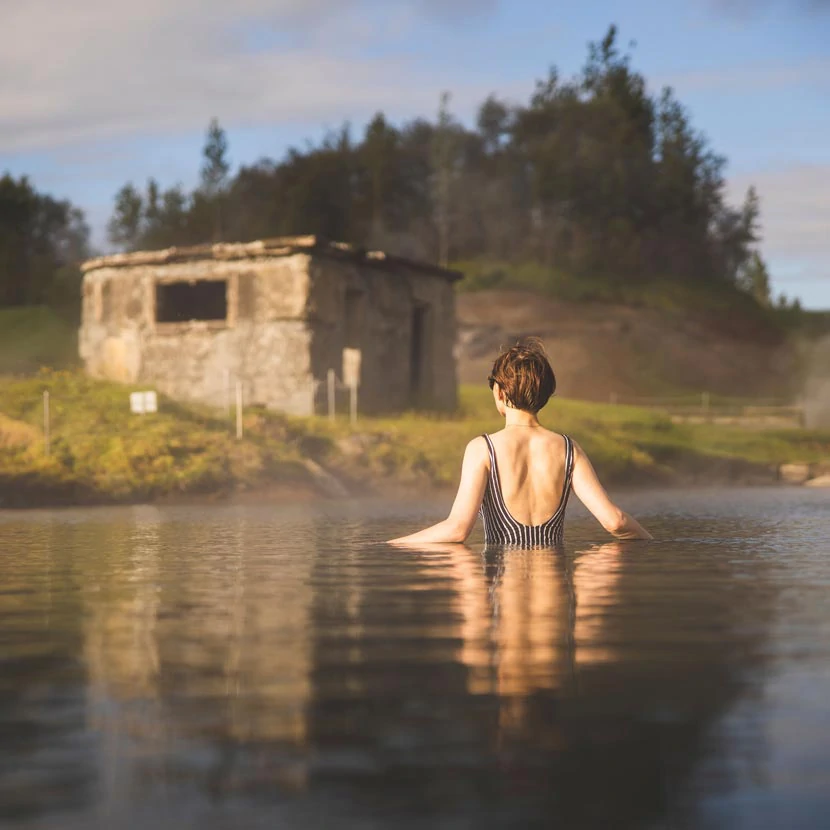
{"x": 744, "y": 9}
{"x": 795, "y": 214}
{"x": 759, "y": 77}
{"x": 93, "y": 69}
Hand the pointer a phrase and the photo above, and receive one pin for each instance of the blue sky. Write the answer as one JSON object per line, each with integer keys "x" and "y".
{"x": 93, "y": 95}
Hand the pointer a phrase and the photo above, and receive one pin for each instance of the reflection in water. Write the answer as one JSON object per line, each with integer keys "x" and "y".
{"x": 184, "y": 666}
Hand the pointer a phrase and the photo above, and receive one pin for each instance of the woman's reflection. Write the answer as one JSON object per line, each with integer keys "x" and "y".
{"x": 530, "y": 618}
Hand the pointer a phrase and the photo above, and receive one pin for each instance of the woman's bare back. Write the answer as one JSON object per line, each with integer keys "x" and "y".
{"x": 531, "y": 467}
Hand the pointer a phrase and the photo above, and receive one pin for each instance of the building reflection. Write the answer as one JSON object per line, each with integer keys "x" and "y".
{"x": 196, "y": 645}
{"x": 239, "y": 657}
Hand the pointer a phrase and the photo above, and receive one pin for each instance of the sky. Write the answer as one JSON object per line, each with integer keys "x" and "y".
{"x": 95, "y": 93}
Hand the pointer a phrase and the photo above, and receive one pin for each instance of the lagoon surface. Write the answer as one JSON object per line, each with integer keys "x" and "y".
{"x": 236, "y": 666}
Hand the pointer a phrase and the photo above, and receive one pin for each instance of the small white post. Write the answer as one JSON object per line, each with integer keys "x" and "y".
{"x": 47, "y": 436}
{"x": 330, "y": 390}
{"x": 353, "y": 404}
{"x": 227, "y": 392}
{"x": 239, "y": 409}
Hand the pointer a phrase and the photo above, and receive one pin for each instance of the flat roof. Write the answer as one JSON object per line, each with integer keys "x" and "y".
{"x": 262, "y": 248}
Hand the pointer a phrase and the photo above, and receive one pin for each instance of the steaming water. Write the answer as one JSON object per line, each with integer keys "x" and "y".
{"x": 252, "y": 666}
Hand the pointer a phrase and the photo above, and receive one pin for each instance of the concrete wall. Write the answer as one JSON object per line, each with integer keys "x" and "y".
{"x": 264, "y": 343}
{"x": 385, "y": 338}
{"x": 285, "y": 327}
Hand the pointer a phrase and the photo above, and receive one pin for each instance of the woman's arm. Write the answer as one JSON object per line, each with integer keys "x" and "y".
{"x": 457, "y": 526}
{"x": 592, "y": 494}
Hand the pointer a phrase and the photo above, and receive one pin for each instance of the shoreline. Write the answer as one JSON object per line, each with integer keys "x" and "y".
{"x": 101, "y": 454}
{"x": 393, "y": 490}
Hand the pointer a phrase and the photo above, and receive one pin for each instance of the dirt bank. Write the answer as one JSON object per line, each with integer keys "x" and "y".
{"x": 601, "y": 350}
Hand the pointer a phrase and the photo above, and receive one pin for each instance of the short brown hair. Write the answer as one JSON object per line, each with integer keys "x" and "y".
{"x": 524, "y": 374}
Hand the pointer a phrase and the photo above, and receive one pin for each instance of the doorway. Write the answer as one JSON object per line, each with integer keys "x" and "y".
{"x": 418, "y": 352}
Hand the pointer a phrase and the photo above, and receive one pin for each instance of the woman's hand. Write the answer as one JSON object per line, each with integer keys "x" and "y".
{"x": 457, "y": 526}
{"x": 592, "y": 494}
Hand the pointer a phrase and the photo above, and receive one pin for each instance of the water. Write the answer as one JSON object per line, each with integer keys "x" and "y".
{"x": 259, "y": 666}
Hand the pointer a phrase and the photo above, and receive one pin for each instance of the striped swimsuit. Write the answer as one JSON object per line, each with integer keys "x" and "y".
{"x": 500, "y": 528}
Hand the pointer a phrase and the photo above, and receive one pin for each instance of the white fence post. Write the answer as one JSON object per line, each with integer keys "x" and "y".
{"x": 227, "y": 392}
{"x": 239, "y": 409}
{"x": 353, "y": 404}
{"x": 330, "y": 392}
{"x": 47, "y": 433}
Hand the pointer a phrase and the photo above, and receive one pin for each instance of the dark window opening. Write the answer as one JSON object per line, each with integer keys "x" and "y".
{"x": 180, "y": 302}
{"x": 354, "y": 318}
{"x": 417, "y": 350}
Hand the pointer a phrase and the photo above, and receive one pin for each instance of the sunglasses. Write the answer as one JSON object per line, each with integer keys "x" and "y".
{"x": 491, "y": 381}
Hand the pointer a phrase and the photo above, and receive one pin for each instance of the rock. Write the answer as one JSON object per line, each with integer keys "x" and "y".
{"x": 324, "y": 480}
{"x": 796, "y": 473}
{"x": 818, "y": 481}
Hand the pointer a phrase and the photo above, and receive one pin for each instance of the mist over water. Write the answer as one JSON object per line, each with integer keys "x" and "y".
{"x": 261, "y": 666}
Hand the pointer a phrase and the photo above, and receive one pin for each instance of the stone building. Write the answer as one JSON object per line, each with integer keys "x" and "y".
{"x": 275, "y": 315}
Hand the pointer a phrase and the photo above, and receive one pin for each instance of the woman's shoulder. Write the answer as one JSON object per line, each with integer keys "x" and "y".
{"x": 549, "y": 436}
{"x": 478, "y": 445}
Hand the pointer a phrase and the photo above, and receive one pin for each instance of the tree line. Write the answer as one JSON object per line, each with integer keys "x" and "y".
{"x": 592, "y": 176}
{"x": 42, "y": 241}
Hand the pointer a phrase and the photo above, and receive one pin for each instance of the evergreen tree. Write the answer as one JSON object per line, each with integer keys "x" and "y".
{"x": 754, "y": 279}
{"x": 214, "y": 173}
{"x": 42, "y": 241}
{"x": 124, "y": 227}
{"x": 592, "y": 176}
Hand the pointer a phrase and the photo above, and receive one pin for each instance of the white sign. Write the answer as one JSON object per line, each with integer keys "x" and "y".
{"x": 351, "y": 367}
{"x": 143, "y": 402}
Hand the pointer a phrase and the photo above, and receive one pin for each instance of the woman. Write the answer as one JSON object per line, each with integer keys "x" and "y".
{"x": 519, "y": 478}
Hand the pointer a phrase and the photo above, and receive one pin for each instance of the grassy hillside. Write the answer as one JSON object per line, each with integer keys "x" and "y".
{"x": 35, "y": 336}
{"x": 604, "y": 351}
{"x": 102, "y": 453}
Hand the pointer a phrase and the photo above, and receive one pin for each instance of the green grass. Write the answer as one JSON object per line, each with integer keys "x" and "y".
{"x": 100, "y": 452}
{"x": 35, "y": 336}
{"x": 625, "y": 443}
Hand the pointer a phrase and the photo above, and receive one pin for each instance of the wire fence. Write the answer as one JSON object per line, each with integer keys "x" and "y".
{"x": 705, "y": 406}
{"x": 224, "y": 400}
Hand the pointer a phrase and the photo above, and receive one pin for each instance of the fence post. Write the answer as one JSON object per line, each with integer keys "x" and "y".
{"x": 704, "y": 401}
{"x": 330, "y": 390}
{"x": 239, "y": 409}
{"x": 612, "y": 398}
{"x": 47, "y": 434}
{"x": 353, "y": 404}
{"x": 227, "y": 392}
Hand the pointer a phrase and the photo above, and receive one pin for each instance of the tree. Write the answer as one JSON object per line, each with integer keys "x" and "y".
{"x": 42, "y": 240}
{"x": 124, "y": 227}
{"x": 592, "y": 176}
{"x": 493, "y": 123}
{"x": 754, "y": 279}
{"x": 443, "y": 162}
{"x": 736, "y": 231}
{"x": 379, "y": 149}
{"x": 214, "y": 173}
